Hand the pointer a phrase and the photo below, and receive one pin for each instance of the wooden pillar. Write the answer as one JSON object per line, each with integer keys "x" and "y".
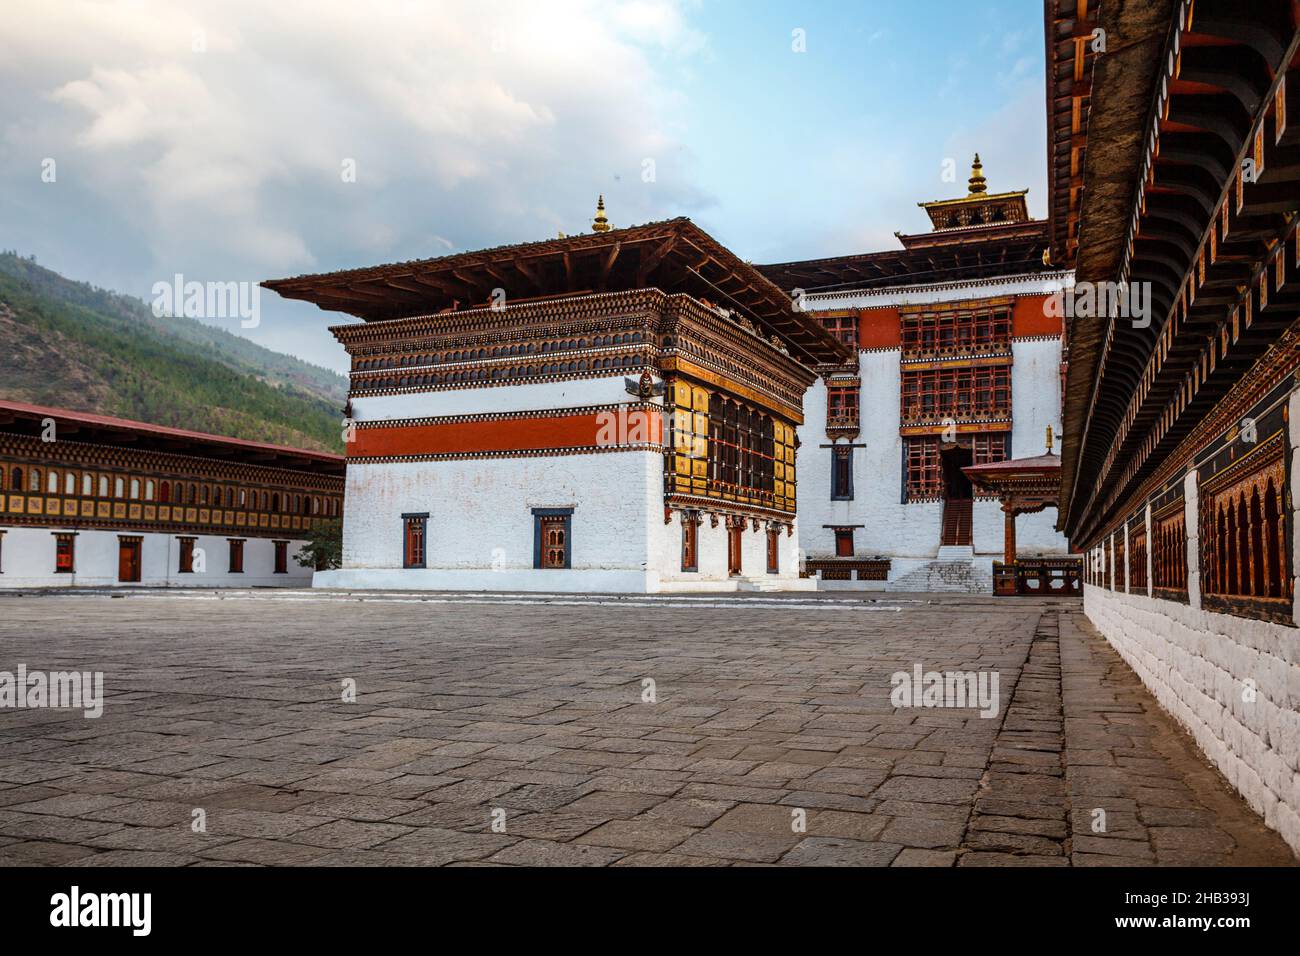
{"x": 1009, "y": 534}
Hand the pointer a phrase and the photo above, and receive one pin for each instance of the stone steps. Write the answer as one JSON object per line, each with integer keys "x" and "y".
{"x": 955, "y": 575}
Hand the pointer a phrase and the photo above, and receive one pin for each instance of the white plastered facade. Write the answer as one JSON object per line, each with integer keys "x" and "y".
{"x": 908, "y": 533}
{"x": 480, "y": 533}
{"x": 27, "y": 560}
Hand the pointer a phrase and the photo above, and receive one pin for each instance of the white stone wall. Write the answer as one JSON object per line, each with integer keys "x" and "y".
{"x": 480, "y": 528}
{"x": 498, "y": 398}
{"x": 1233, "y": 682}
{"x": 480, "y": 510}
{"x": 909, "y": 533}
{"x": 1035, "y": 404}
{"x": 711, "y": 558}
{"x": 1197, "y": 663}
{"x": 27, "y": 561}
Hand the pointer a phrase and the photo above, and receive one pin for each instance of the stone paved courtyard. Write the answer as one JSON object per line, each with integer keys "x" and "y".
{"x": 530, "y": 711}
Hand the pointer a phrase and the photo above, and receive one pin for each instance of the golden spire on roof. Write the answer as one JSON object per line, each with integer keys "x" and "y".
{"x": 977, "y": 177}
{"x": 1050, "y": 436}
{"x": 600, "y": 223}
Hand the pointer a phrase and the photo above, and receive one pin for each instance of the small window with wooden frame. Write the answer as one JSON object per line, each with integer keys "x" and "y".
{"x": 841, "y": 473}
{"x": 65, "y": 553}
{"x": 1245, "y": 561}
{"x": 843, "y": 325}
{"x": 1121, "y": 562}
{"x": 236, "y": 555}
{"x": 552, "y": 538}
{"x": 842, "y": 403}
{"x": 1137, "y": 555}
{"x": 186, "y": 563}
{"x": 1169, "y": 550}
{"x": 690, "y": 540}
{"x": 415, "y": 529}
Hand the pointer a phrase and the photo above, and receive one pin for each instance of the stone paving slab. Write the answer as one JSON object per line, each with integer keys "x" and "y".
{"x": 595, "y": 731}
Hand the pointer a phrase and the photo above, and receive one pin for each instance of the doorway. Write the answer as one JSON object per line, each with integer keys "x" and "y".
{"x": 128, "y": 560}
{"x": 957, "y": 495}
{"x": 733, "y": 549}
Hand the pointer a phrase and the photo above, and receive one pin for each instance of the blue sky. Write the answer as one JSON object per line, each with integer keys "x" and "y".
{"x": 206, "y": 138}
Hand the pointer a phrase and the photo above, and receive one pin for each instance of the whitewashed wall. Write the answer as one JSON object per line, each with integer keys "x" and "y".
{"x": 910, "y": 533}
{"x": 1035, "y": 404}
{"x": 27, "y": 561}
{"x": 497, "y": 398}
{"x": 712, "y": 559}
{"x": 1233, "y": 682}
{"x": 1196, "y": 664}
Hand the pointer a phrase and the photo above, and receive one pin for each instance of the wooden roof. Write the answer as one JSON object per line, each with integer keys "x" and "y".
{"x": 674, "y": 256}
{"x": 1038, "y": 477}
{"x": 1177, "y": 102}
{"x": 945, "y": 255}
{"x": 22, "y": 419}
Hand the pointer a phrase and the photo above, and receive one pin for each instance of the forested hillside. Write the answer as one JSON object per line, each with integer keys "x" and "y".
{"x": 71, "y": 345}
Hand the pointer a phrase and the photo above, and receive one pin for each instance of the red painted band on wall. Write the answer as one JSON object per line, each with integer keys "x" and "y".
{"x": 606, "y": 429}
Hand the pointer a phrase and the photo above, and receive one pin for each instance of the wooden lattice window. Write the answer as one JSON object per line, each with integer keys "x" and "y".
{"x": 552, "y": 538}
{"x": 414, "y": 531}
{"x": 842, "y": 402}
{"x": 987, "y": 449}
{"x": 1137, "y": 556}
{"x": 1244, "y": 561}
{"x": 956, "y": 331}
{"x": 1169, "y": 550}
{"x": 924, "y": 469}
{"x": 1121, "y": 567}
{"x": 844, "y": 326}
{"x": 931, "y": 394}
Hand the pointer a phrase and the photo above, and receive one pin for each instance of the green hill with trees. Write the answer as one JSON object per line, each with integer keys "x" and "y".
{"x": 71, "y": 345}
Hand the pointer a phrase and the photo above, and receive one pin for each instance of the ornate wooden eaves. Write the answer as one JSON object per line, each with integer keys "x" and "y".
{"x": 1209, "y": 229}
{"x": 672, "y": 256}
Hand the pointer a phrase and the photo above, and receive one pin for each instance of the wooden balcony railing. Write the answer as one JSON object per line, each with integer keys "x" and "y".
{"x": 1038, "y": 576}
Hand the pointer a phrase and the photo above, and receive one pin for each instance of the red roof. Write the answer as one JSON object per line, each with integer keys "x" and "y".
{"x": 21, "y": 418}
{"x": 1041, "y": 463}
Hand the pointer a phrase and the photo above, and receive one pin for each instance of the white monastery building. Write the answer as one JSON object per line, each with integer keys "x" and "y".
{"x": 958, "y": 357}
{"x": 615, "y": 411}
{"x": 89, "y": 500}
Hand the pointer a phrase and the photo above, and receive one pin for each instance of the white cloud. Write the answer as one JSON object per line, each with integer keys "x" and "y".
{"x": 469, "y": 124}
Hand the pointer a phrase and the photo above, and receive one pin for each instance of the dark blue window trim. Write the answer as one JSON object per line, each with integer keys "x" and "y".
{"x": 538, "y": 515}
{"x": 838, "y": 453}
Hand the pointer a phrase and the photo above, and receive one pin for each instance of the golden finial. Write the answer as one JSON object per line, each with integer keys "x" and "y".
{"x": 977, "y": 177}
{"x": 600, "y": 223}
{"x": 1049, "y": 439}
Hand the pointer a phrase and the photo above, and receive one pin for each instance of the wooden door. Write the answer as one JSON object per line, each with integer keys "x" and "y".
{"x": 733, "y": 550}
{"x": 128, "y": 561}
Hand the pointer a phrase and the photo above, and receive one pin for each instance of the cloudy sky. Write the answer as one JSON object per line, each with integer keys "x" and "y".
{"x": 239, "y": 140}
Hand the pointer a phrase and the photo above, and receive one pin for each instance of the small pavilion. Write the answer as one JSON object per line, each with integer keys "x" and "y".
{"x": 1025, "y": 486}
